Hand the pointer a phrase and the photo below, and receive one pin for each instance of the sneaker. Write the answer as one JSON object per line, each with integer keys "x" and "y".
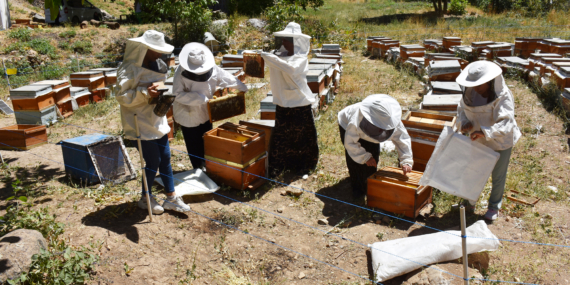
{"x": 491, "y": 215}
{"x": 156, "y": 208}
{"x": 176, "y": 204}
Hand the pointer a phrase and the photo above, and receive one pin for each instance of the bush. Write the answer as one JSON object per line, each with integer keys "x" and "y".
{"x": 457, "y": 7}
{"x": 43, "y": 46}
{"x": 280, "y": 14}
{"x": 22, "y": 34}
{"x": 83, "y": 47}
{"x": 67, "y": 34}
{"x": 63, "y": 45}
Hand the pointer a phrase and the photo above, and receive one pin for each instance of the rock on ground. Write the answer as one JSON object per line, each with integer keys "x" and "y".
{"x": 38, "y": 18}
{"x": 257, "y": 23}
{"x": 16, "y": 251}
{"x": 220, "y": 23}
{"x": 429, "y": 276}
{"x": 106, "y": 16}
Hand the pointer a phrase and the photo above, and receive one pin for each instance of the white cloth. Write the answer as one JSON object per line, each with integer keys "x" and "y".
{"x": 349, "y": 119}
{"x": 496, "y": 119}
{"x": 301, "y": 42}
{"x": 190, "y": 105}
{"x": 132, "y": 82}
{"x": 288, "y": 76}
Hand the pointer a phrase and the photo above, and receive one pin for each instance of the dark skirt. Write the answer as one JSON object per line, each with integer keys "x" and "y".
{"x": 294, "y": 145}
{"x": 359, "y": 173}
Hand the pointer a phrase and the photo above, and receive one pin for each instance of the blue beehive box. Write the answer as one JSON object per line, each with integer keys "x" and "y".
{"x": 97, "y": 158}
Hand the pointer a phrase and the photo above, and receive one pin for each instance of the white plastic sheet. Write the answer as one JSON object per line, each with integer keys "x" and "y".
{"x": 192, "y": 182}
{"x": 397, "y": 257}
{"x": 459, "y": 166}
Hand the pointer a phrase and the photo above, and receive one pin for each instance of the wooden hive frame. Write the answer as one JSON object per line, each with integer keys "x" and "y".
{"x": 431, "y": 121}
{"x": 234, "y": 143}
{"x": 226, "y": 106}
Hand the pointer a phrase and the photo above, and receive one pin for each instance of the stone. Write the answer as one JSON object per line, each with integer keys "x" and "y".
{"x": 428, "y": 276}
{"x": 280, "y": 210}
{"x": 323, "y": 222}
{"x": 386, "y": 220}
{"x": 16, "y": 251}
{"x": 301, "y": 275}
{"x": 220, "y": 23}
{"x": 479, "y": 260}
{"x": 38, "y": 18}
{"x": 257, "y": 23}
{"x": 283, "y": 193}
{"x": 294, "y": 192}
{"x": 106, "y": 16}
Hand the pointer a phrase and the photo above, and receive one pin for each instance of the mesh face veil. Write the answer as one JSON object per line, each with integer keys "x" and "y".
{"x": 375, "y": 132}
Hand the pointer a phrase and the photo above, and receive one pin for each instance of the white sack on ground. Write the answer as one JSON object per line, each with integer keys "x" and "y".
{"x": 397, "y": 257}
{"x": 192, "y": 182}
{"x": 459, "y": 166}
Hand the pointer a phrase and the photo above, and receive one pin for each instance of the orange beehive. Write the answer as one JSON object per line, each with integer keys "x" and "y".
{"x": 390, "y": 190}
{"x": 22, "y": 137}
{"x": 32, "y": 98}
{"x": 90, "y": 79}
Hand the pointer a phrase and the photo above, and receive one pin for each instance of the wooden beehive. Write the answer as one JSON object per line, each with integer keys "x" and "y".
{"x": 423, "y": 145}
{"x": 232, "y": 60}
{"x": 431, "y": 44}
{"x": 316, "y": 80}
{"x": 32, "y": 98}
{"x": 390, "y": 190}
{"x": 446, "y": 70}
{"x": 447, "y": 103}
{"x": 547, "y": 64}
{"x": 562, "y": 77}
{"x": 249, "y": 177}
{"x": 478, "y": 47}
{"x": 22, "y": 137}
{"x": 81, "y": 96}
{"x": 98, "y": 95}
{"x": 449, "y": 42}
{"x": 565, "y": 96}
{"x": 525, "y": 46}
{"x": 431, "y": 121}
{"x": 369, "y": 41}
{"x": 411, "y": 51}
{"x": 265, "y": 125}
{"x": 240, "y": 145}
{"x": 328, "y": 69}
{"x": 65, "y": 107}
{"x": 90, "y": 79}
{"x": 387, "y": 44}
{"x": 253, "y": 65}
{"x": 499, "y": 49}
{"x": 45, "y": 116}
{"x": 227, "y": 106}
{"x": 110, "y": 74}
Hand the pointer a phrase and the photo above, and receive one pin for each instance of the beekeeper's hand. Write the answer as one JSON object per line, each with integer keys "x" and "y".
{"x": 466, "y": 127}
{"x": 476, "y": 135}
{"x": 372, "y": 162}
{"x": 152, "y": 92}
{"x": 406, "y": 168}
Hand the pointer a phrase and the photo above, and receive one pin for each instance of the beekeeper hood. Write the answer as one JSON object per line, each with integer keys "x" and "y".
{"x": 136, "y": 48}
{"x": 479, "y": 73}
{"x": 301, "y": 42}
{"x": 382, "y": 111}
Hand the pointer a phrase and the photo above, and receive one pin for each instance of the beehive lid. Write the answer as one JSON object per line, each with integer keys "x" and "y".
{"x": 566, "y": 93}
{"x": 499, "y": 45}
{"x": 451, "y": 87}
{"x": 328, "y": 68}
{"x": 528, "y": 39}
{"x": 31, "y": 91}
{"x": 555, "y": 59}
{"x": 267, "y": 103}
{"x": 442, "y": 100}
{"x": 482, "y": 43}
{"x": 375, "y": 37}
{"x": 87, "y": 140}
{"x": 55, "y": 84}
{"x": 451, "y": 38}
{"x": 542, "y": 55}
{"x": 315, "y": 75}
{"x": 86, "y": 74}
{"x": 108, "y": 71}
{"x": 431, "y": 41}
{"x": 560, "y": 64}
{"x": 433, "y": 55}
{"x": 78, "y": 91}
{"x": 331, "y": 47}
{"x": 445, "y": 64}
{"x": 233, "y": 57}
{"x": 412, "y": 47}
{"x": 565, "y": 70}
{"x": 322, "y": 61}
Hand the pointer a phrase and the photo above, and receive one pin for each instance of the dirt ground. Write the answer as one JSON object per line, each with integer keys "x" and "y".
{"x": 265, "y": 237}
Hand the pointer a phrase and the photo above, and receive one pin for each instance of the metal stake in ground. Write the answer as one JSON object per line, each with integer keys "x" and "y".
{"x": 145, "y": 185}
{"x": 464, "y": 246}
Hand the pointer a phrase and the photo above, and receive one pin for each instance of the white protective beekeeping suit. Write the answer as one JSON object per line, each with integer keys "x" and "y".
{"x": 383, "y": 112}
{"x": 288, "y": 74}
{"x": 133, "y": 81}
{"x": 496, "y": 119}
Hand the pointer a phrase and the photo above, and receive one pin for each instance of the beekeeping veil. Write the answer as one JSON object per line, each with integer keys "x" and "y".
{"x": 135, "y": 52}
{"x": 301, "y": 42}
{"x": 382, "y": 111}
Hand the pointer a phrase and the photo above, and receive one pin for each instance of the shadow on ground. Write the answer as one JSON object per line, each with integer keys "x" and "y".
{"x": 27, "y": 181}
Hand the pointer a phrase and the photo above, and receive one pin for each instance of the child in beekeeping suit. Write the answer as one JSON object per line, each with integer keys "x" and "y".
{"x": 195, "y": 82}
{"x": 293, "y": 143}
{"x": 363, "y": 126}
{"x": 487, "y": 113}
{"x": 142, "y": 67}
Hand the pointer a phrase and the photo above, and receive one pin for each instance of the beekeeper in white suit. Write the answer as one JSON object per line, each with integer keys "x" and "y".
{"x": 294, "y": 145}
{"x": 194, "y": 84}
{"x": 363, "y": 126}
{"x": 142, "y": 67}
{"x": 487, "y": 113}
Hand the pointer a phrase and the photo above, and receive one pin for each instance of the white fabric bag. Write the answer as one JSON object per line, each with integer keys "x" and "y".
{"x": 397, "y": 257}
{"x": 459, "y": 166}
{"x": 192, "y": 182}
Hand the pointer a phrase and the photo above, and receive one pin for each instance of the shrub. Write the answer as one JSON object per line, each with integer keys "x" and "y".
{"x": 67, "y": 34}
{"x": 83, "y": 47}
{"x": 280, "y": 14}
{"x": 19, "y": 46}
{"x": 43, "y": 46}
{"x": 457, "y": 7}
{"x": 22, "y": 34}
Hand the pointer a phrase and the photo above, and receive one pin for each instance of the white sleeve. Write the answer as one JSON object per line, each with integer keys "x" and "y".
{"x": 297, "y": 65}
{"x": 130, "y": 94}
{"x": 403, "y": 143}
{"x": 227, "y": 80}
{"x": 184, "y": 97}
{"x": 504, "y": 116}
{"x": 353, "y": 147}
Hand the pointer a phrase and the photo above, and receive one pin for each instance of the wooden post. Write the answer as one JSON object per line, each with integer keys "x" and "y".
{"x": 145, "y": 185}
{"x": 464, "y": 247}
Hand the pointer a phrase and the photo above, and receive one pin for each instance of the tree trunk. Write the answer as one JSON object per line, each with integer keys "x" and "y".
{"x": 444, "y": 7}
{"x": 434, "y": 5}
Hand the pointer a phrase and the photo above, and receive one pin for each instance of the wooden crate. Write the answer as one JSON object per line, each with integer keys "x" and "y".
{"x": 248, "y": 177}
{"x": 23, "y": 21}
{"x": 227, "y": 106}
{"x": 22, "y": 137}
{"x": 390, "y": 190}
{"x": 98, "y": 95}
{"x": 234, "y": 143}
{"x": 267, "y": 115}
{"x": 265, "y": 125}
{"x": 431, "y": 121}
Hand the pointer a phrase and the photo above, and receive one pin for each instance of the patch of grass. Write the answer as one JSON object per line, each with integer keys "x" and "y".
{"x": 43, "y": 46}
{"x": 67, "y": 34}
{"x": 82, "y": 47}
{"x": 21, "y": 34}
